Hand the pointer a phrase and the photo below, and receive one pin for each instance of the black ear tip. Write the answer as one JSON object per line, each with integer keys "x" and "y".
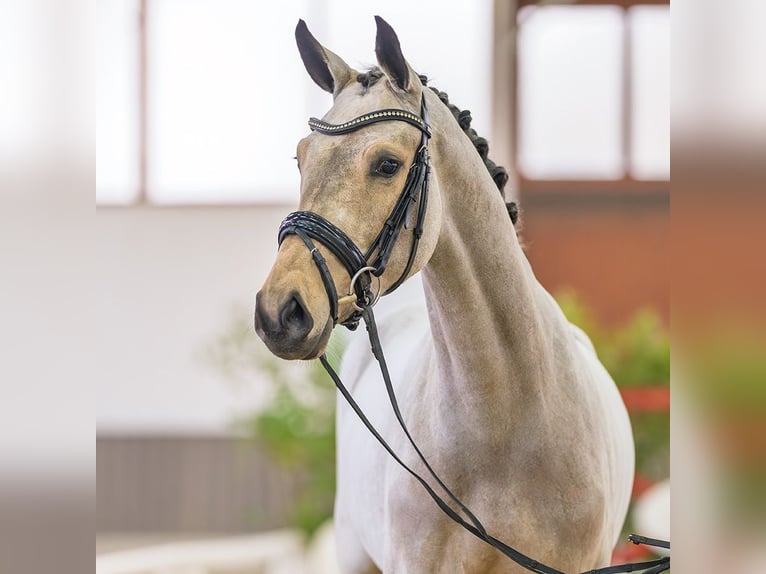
{"x": 383, "y": 25}
{"x": 385, "y": 33}
{"x": 303, "y": 35}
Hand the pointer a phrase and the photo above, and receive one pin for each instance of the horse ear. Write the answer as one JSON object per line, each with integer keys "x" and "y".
{"x": 389, "y": 53}
{"x": 328, "y": 70}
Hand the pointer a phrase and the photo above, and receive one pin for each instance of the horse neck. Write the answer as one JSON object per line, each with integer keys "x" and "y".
{"x": 489, "y": 315}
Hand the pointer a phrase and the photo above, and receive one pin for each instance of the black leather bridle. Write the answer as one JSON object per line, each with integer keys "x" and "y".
{"x": 361, "y": 267}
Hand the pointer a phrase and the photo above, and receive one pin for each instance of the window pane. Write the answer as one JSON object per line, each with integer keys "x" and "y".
{"x": 117, "y": 103}
{"x": 650, "y": 136}
{"x": 570, "y": 92}
{"x": 226, "y": 101}
{"x": 456, "y": 55}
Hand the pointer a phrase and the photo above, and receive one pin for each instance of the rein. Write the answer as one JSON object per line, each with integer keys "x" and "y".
{"x": 361, "y": 267}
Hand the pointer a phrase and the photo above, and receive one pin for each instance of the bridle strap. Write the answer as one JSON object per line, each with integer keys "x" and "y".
{"x": 417, "y": 232}
{"x": 324, "y": 272}
{"x": 383, "y": 245}
{"x": 417, "y": 181}
{"x": 474, "y": 526}
{"x": 332, "y": 237}
{"x": 307, "y": 225}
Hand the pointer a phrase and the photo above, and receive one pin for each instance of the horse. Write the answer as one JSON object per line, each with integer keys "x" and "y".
{"x": 505, "y": 397}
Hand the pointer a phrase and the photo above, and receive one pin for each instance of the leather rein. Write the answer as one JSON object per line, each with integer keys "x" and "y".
{"x": 361, "y": 268}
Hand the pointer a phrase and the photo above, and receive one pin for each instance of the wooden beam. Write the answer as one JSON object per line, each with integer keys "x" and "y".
{"x": 622, "y": 3}
{"x": 143, "y": 122}
{"x": 625, "y": 186}
{"x": 502, "y": 142}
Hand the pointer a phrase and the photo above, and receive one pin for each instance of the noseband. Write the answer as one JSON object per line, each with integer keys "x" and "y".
{"x": 361, "y": 267}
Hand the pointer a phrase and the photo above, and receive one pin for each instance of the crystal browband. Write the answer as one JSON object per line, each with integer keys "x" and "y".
{"x": 380, "y": 115}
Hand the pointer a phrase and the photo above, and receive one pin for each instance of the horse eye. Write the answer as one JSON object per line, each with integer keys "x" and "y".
{"x": 388, "y": 167}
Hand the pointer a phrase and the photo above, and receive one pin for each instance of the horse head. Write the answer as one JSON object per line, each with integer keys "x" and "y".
{"x": 356, "y": 169}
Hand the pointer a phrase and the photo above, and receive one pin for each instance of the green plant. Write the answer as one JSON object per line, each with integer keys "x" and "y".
{"x": 297, "y": 425}
{"x": 724, "y": 370}
{"x": 635, "y": 354}
{"x": 300, "y": 435}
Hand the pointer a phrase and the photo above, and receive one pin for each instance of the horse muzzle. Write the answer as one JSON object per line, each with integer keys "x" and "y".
{"x": 286, "y": 326}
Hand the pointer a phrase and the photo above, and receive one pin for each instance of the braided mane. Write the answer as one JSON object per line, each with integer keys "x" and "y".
{"x": 463, "y": 117}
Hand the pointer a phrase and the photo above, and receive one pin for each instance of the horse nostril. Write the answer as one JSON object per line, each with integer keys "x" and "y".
{"x": 295, "y": 318}
{"x": 262, "y": 322}
{"x": 292, "y": 313}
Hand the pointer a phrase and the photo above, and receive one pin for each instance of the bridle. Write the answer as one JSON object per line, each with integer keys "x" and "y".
{"x": 361, "y": 267}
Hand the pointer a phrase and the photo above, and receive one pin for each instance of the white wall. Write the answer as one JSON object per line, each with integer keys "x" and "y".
{"x": 171, "y": 281}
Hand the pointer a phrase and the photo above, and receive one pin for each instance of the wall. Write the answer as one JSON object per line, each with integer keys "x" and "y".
{"x": 171, "y": 280}
{"x": 611, "y": 248}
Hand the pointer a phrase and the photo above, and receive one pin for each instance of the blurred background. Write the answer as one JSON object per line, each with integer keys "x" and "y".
{"x": 212, "y": 456}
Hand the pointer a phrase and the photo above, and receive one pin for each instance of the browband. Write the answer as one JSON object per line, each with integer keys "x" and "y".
{"x": 386, "y": 115}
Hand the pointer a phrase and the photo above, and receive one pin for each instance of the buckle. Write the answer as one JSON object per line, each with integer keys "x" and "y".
{"x": 358, "y": 302}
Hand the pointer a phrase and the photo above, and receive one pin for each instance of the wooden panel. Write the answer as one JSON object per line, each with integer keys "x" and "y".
{"x": 623, "y": 3}
{"x": 190, "y": 484}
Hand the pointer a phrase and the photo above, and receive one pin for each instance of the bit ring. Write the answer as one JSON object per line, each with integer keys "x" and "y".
{"x": 354, "y": 279}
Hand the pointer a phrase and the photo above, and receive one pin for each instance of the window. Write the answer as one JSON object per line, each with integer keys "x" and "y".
{"x": 117, "y": 111}
{"x": 194, "y": 105}
{"x": 650, "y": 97}
{"x": 204, "y": 101}
{"x": 223, "y": 120}
{"x": 593, "y": 92}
